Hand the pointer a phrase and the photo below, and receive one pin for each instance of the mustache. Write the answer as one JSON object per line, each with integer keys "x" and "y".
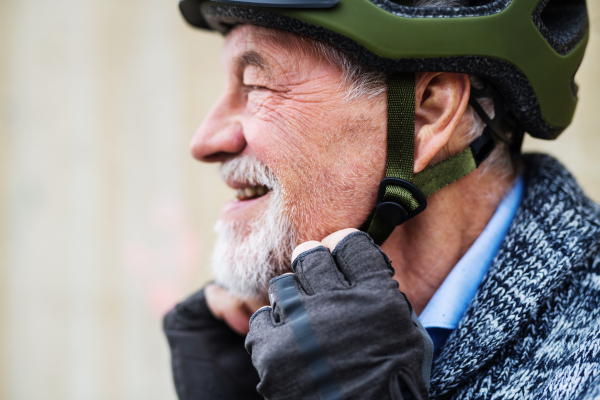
{"x": 247, "y": 255}
{"x": 248, "y": 170}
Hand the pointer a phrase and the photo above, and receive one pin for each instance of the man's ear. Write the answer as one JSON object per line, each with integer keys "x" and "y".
{"x": 441, "y": 100}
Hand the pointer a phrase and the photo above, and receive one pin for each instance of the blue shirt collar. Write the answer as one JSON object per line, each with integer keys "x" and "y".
{"x": 450, "y": 301}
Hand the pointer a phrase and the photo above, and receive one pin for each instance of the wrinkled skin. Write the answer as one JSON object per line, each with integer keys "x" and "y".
{"x": 292, "y": 114}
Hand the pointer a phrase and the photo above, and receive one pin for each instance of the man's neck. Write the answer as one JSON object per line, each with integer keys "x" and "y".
{"x": 424, "y": 250}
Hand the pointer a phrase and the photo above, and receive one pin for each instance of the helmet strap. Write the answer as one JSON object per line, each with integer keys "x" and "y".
{"x": 504, "y": 126}
{"x": 402, "y": 194}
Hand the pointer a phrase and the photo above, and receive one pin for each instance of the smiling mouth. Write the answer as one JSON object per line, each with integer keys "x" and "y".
{"x": 250, "y": 193}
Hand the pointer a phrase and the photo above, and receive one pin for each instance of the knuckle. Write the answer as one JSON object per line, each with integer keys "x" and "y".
{"x": 255, "y": 319}
{"x": 356, "y": 239}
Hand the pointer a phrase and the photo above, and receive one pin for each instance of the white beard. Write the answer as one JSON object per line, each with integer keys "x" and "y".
{"x": 247, "y": 256}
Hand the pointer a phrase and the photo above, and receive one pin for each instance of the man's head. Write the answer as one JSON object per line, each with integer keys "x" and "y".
{"x": 300, "y": 130}
{"x": 284, "y": 122}
{"x": 301, "y": 127}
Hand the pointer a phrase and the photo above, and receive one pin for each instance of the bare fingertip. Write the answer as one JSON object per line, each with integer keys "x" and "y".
{"x": 332, "y": 240}
{"x": 301, "y": 248}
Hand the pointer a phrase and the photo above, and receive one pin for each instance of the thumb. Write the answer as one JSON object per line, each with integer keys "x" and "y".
{"x": 228, "y": 308}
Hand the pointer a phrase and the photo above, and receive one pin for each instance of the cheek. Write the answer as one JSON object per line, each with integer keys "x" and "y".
{"x": 329, "y": 198}
{"x": 291, "y": 118}
{"x": 294, "y": 137}
{"x": 328, "y": 172}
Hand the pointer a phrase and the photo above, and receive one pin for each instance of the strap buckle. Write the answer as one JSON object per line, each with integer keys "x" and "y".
{"x": 392, "y": 212}
{"x": 483, "y": 146}
{"x": 504, "y": 123}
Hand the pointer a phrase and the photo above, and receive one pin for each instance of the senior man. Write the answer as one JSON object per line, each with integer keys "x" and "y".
{"x": 333, "y": 119}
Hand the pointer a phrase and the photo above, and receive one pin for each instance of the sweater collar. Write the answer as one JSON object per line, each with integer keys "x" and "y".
{"x": 554, "y": 226}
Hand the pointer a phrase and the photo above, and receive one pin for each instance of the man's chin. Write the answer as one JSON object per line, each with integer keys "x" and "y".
{"x": 255, "y": 238}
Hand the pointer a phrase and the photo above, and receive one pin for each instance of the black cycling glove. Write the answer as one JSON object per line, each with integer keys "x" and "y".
{"x": 339, "y": 328}
{"x": 208, "y": 358}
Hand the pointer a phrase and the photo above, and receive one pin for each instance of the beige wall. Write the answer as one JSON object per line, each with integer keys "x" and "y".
{"x": 578, "y": 147}
{"x": 105, "y": 220}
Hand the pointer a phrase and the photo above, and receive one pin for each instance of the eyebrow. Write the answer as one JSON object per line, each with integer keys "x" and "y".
{"x": 252, "y": 58}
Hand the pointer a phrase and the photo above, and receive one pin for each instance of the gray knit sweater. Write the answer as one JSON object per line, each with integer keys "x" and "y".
{"x": 533, "y": 329}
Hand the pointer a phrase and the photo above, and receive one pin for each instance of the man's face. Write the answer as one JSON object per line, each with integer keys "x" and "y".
{"x": 284, "y": 126}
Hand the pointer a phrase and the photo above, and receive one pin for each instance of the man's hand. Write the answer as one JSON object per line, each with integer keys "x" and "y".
{"x": 339, "y": 328}
{"x": 225, "y": 307}
{"x": 208, "y": 357}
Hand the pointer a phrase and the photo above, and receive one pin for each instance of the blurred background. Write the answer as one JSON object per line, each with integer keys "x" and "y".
{"x": 105, "y": 219}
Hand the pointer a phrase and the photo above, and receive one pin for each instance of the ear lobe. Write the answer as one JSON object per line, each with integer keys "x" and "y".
{"x": 441, "y": 100}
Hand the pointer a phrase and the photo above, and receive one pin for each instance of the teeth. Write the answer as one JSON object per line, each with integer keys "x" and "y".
{"x": 251, "y": 192}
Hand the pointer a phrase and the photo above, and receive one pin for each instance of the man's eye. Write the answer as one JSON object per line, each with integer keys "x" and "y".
{"x": 256, "y": 87}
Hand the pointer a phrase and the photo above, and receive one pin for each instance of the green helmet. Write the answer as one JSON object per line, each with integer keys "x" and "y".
{"x": 528, "y": 52}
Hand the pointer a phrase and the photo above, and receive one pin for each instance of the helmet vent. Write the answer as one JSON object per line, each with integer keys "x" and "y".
{"x": 563, "y": 23}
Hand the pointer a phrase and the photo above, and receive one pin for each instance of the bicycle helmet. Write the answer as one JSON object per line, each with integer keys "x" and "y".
{"x": 527, "y": 50}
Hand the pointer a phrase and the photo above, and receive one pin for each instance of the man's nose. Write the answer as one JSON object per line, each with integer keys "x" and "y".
{"x": 220, "y": 136}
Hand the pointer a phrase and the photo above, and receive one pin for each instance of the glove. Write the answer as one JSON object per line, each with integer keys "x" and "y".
{"x": 208, "y": 358}
{"x": 339, "y": 328}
